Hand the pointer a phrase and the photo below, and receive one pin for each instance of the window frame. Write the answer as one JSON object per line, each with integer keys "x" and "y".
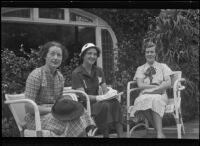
{"x": 98, "y": 23}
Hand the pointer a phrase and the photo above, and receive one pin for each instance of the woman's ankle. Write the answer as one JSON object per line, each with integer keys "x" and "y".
{"x": 119, "y": 129}
{"x": 161, "y": 135}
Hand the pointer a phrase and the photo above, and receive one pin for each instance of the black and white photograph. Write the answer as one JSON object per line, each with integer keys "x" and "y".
{"x": 100, "y": 73}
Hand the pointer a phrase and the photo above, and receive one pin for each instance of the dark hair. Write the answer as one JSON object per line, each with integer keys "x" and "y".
{"x": 84, "y": 52}
{"x": 45, "y": 49}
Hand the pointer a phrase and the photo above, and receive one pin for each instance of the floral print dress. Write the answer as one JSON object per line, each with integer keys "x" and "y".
{"x": 156, "y": 102}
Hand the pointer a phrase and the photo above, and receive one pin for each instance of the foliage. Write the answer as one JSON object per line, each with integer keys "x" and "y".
{"x": 177, "y": 34}
{"x": 67, "y": 69}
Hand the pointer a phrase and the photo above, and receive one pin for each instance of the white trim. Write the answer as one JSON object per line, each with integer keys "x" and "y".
{"x": 99, "y": 44}
{"x": 85, "y": 14}
{"x": 98, "y": 23}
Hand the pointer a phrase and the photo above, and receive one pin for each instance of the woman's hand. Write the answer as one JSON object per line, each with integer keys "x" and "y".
{"x": 152, "y": 91}
{"x": 149, "y": 90}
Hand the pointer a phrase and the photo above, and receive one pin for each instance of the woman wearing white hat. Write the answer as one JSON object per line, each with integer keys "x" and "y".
{"x": 88, "y": 77}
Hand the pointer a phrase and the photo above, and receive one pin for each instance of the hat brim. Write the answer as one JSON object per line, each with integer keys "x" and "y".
{"x": 73, "y": 115}
{"x": 89, "y": 48}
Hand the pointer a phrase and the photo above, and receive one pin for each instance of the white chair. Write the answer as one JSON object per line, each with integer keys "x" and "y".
{"x": 16, "y": 104}
{"x": 173, "y": 106}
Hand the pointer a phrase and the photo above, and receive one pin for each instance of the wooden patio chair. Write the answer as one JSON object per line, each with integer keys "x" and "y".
{"x": 173, "y": 106}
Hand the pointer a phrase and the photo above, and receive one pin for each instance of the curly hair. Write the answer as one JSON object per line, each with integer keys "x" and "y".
{"x": 45, "y": 49}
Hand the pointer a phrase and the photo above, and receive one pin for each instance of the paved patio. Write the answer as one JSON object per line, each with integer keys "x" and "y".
{"x": 191, "y": 129}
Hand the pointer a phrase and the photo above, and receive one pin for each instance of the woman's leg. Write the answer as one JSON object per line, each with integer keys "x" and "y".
{"x": 119, "y": 129}
{"x": 149, "y": 116}
{"x": 105, "y": 131}
{"x": 158, "y": 125}
{"x": 83, "y": 134}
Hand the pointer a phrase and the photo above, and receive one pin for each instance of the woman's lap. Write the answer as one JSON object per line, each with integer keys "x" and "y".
{"x": 68, "y": 128}
{"x": 107, "y": 112}
{"x": 155, "y": 102}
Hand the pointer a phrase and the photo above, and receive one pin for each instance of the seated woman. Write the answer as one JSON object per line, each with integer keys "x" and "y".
{"x": 88, "y": 77}
{"x": 45, "y": 85}
{"x": 153, "y": 78}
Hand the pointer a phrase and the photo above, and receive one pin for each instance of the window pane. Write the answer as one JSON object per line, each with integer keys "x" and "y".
{"x": 13, "y": 35}
{"x": 107, "y": 54}
{"x": 18, "y": 13}
{"x": 51, "y": 13}
{"x": 76, "y": 17}
{"x": 86, "y": 34}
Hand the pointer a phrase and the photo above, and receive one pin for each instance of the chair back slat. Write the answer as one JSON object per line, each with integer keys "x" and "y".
{"x": 67, "y": 88}
{"x": 176, "y": 75}
{"x": 18, "y": 109}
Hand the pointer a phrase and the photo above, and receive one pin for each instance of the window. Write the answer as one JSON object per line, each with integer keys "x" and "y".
{"x": 25, "y": 13}
{"x": 72, "y": 27}
{"x": 53, "y": 13}
{"x": 13, "y": 35}
{"x": 107, "y": 54}
{"x": 76, "y": 17}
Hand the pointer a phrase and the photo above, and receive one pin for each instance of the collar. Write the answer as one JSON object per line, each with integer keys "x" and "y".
{"x": 146, "y": 65}
{"x": 83, "y": 71}
{"x": 47, "y": 70}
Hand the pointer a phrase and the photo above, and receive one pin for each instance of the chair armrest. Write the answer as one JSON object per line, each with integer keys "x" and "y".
{"x": 176, "y": 92}
{"x": 85, "y": 95}
{"x": 181, "y": 87}
{"x": 36, "y": 110}
{"x": 129, "y": 90}
{"x": 177, "y": 84}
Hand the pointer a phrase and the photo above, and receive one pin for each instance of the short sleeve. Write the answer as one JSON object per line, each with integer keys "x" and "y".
{"x": 76, "y": 81}
{"x": 33, "y": 85}
{"x": 139, "y": 73}
{"x": 166, "y": 70}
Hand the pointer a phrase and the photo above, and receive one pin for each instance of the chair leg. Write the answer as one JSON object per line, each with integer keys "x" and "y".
{"x": 181, "y": 120}
{"x": 178, "y": 124}
{"x": 93, "y": 132}
{"x": 182, "y": 126}
{"x": 22, "y": 133}
{"x": 138, "y": 125}
{"x": 179, "y": 130}
{"x": 128, "y": 130}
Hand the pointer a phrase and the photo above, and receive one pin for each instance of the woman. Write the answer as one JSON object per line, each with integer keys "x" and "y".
{"x": 45, "y": 85}
{"x": 88, "y": 77}
{"x": 153, "y": 79}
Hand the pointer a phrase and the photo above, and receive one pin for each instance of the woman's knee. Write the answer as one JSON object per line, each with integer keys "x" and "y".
{"x": 105, "y": 106}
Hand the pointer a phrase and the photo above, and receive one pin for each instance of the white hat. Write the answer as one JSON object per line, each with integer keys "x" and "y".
{"x": 87, "y": 46}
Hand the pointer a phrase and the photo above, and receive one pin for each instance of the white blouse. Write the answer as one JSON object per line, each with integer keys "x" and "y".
{"x": 162, "y": 70}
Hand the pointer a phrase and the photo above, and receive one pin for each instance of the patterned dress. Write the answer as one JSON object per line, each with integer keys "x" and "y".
{"x": 44, "y": 88}
{"x": 155, "y": 102}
